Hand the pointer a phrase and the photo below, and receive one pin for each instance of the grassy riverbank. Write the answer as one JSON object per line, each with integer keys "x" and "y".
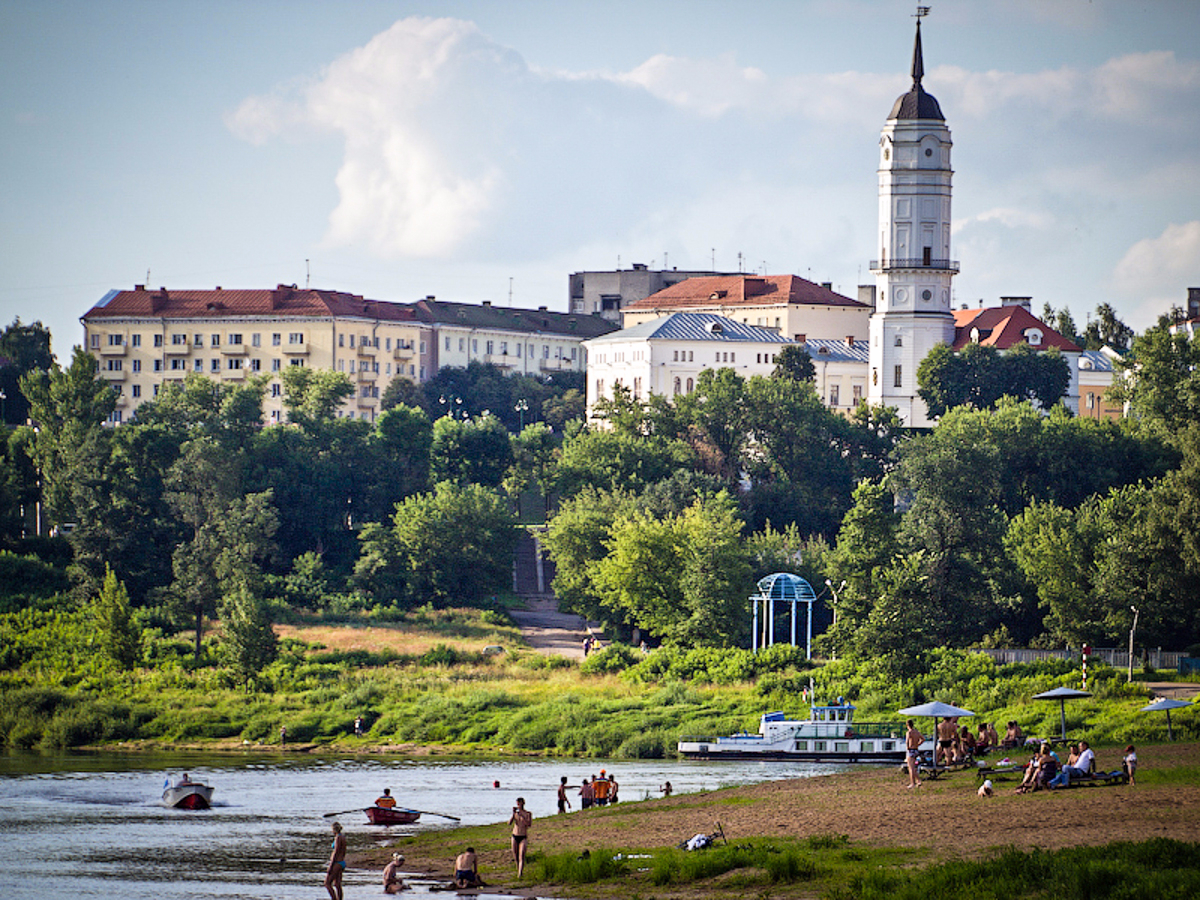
{"x": 430, "y": 684}
{"x": 862, "y": 835}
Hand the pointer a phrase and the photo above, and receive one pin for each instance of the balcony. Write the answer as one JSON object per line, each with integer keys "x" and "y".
{"x": 556, "y": 364}
{"x": 403, "y": 351}
{"x": 109, "y": 375}
{"x": 233, "y": 375}
{"x": 916, "y": 262}
{"x": 503, "y": 360}
{"x": 177, "y": 349}
{"x": 366, "y": 351}
{"x": 295, "y": 349}
{"x": 235, "y": 350}
{"x": 366, "y": 374}
{"x": 114, "y": 349}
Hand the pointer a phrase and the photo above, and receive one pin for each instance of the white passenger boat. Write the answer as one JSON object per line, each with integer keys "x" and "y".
{"x": 830, "y": 734}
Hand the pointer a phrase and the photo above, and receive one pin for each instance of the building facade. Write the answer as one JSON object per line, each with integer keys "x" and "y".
{"x": 145, "y": 339}
{"x": 606, "y": 294}
{"x": 665, "y": 356}
{"x": 914, "y": 270}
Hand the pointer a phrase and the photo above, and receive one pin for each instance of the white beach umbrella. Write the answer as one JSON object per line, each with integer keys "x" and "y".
{"x": 935, "y": 708}
{"x": 1062, "y": 695}
{"x": 1166, "y": 704}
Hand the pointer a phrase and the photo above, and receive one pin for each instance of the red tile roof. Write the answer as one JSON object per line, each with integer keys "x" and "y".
{"x": 1003, "y": 327}
{"x": 284, "y": 300}
{"x": 743, "y": 290}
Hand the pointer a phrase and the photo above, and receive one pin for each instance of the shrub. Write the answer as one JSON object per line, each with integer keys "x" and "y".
{"x": 611, "y": 659}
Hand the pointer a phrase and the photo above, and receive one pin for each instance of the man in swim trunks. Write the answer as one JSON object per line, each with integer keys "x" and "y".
{"x": 466, "y": 869}
{"x": 563, "y": 802}
{"x": 520, "y": 821}
{"x": 912, "y": 742}
{"x": 392, "y": 882}
{"x": 337, "y": 864}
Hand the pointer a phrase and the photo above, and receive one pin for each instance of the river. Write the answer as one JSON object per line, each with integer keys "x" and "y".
{"x": 90, "y": 824}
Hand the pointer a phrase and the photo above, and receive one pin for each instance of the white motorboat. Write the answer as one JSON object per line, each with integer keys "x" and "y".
{"x": 829, "y": 734}
{"x": 188, "y": 795}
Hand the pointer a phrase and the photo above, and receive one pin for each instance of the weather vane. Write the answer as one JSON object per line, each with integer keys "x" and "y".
{"x": 922, "y": 12}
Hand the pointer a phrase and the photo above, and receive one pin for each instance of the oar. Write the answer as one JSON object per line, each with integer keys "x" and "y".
{"x": 426, "y": 812}
{"x": 344, "y": 812}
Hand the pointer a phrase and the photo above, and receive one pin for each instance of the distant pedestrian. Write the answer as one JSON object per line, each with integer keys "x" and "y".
{"x": 586, "y": 795}
{"x": 1129, "y": 764}
{"x": 912, "y": 744}
{"x": 358, "y": 726}
{"x": 282, "y": 735}
{"x": 520, "y": 821}
{"x": 563, "y": 802}
{"x": 666, "y": 789}
{"x": 612, "y": 789}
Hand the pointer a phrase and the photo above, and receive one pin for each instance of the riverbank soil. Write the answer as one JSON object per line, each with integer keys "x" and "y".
{"x": 941, "y": 819}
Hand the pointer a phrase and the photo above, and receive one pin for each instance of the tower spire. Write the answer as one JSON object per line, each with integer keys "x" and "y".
{"x": 918, "y": 63}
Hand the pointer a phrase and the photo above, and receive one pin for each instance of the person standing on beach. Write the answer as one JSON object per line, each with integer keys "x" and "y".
{"x": 912, "y": 742}
{"x": 337, "y": 864}
{"x": 563, "y": 802}
{"x": 520, "y": 821}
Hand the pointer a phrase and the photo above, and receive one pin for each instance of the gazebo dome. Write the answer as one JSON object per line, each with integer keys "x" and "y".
{"x": 786, "y": 586}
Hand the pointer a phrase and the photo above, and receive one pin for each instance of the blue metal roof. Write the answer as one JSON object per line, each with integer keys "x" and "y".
{"x": 833, "y": 350}
{"x": 684, "y": 326}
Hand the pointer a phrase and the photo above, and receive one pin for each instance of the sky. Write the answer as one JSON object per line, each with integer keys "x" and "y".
{"x": 485, "y": 149}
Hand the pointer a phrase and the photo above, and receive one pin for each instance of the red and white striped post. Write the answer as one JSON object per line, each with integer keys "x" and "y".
{"x": 1086, "y": 651}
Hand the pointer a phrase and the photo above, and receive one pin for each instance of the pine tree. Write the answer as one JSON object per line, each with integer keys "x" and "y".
{"x": 118, "y": 635}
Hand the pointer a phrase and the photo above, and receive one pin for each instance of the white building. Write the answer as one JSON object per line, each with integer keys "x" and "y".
{"x": 914, "y": 269}
{"x": 665, "y": 356}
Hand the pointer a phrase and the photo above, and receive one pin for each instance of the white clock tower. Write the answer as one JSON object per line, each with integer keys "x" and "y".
{"x": 914, "y": 269}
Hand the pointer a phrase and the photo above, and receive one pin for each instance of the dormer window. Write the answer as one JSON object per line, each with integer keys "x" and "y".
{"x": 974, "y": 335}
{"x": 1033, "y": 337}
{"x": 714, "y": 328}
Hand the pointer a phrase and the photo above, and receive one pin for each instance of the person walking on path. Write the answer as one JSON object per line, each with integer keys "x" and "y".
{"x": 563, "y": 802}
{"x": 520, "y": 821}
{"x": 337, "y": 864}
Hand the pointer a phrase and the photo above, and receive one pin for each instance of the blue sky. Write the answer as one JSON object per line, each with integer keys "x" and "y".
{"x": 414, "y": 148}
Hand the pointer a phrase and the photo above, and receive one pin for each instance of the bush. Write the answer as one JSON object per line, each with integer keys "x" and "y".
{"x": 611, "y": 659}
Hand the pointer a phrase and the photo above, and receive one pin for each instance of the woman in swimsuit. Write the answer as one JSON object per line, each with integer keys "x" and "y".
{"x": 337, "y": 864}
{"x": 520, "y": 821}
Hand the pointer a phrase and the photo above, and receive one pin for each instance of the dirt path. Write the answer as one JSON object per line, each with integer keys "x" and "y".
{"x": 549, "y": 631}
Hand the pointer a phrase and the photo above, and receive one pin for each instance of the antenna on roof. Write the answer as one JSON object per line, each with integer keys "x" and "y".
{"x": 510, "y": 290}
{"x": 307, "y": 274}
{"x": 741, "y": 267}
{"x": 714, "y": 259}
{"x": 147, "y": 274}
{"x": 665, "y": 265}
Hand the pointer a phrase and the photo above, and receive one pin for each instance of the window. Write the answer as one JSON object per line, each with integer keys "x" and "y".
{"x": 216, "y": 341}
{"x": 691, "y": 358}
{"x": 179, "y": 365}
{"x": 275, "y": 339}
{"x": 275, "y": 415}
{"x": 215, "y": 365}
{"x": 137, "y": 390}
{"x": 899, "y": 341}
{"x": 422, "y": 348}
{"x": 158, "y": 340}
{"x": 518, "y": 351}
{"x": 158, "y": 365}
{"x": 488, "y": 348}
{"x": 96, "y": 341}
{"x": 137, "y": 340}
{"x": 856, "y": 393}
{"x": 678, "y": 384}
{"x": 276, "y": 365}
{"x": 834, "y": 390}
{"x": 116, "y": 340}
{"x": 732, "y": 356}
{"x": 256, "y": 340}
{"x": 545, "y": 351}
{"x": 447, "y": 342}
{"x": 296, "y": 362}
{"x": 297, "y": 337}
{"x": 198, "y": 340}
{"x": 179, "y": 340}
{"x": 474, "y": 345}
{"x": 898, "y": 380}
{"x": 341, "y": 365}
{"x": 351, "y": 342}
{"x": 137, "y": 365}
{"x": 234, "y": 363}
{"x": 504, "y": 348}
{"x": 114, "y": 365}
{"x": 637, "y": 388}
{"x": 277, "y": 390}
{"x": 690, "y": 385}
{"x": 115, "y": 417}
{"x": 235, "y": 340}
{"x": 599, "y": 387}
{"x": 676, "y": 357}
{"x": 388, "y": 344}
{"x": 462, "y": 345}
{"x": 1091, "y": 400}
{"x": 199, "y": 367}
{"x": 256, "y": 365}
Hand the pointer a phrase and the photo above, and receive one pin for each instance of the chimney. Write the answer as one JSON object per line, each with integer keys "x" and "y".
{"x": 1193, "y": 302}
{"x": 139, "y": 287}
{"x": 430, "y": 297}
{"x": 866, "y": 295}
{"x": 849, "y": 340}
{"x": 543, "y": 308}
{"x": 1026, "y": 303}
{"x": 801, "y": 339}
{"x": 281, "y": 293}
{"x": 487, "y": 302}
{"x": 828, "y": 285}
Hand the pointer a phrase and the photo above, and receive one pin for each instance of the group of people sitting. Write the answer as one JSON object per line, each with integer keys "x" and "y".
{"x": 1046, "y": 771}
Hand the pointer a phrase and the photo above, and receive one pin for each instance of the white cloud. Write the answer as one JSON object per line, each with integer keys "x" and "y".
{"x": 1172, "y": 258}
{"x": 1009, "y": 217}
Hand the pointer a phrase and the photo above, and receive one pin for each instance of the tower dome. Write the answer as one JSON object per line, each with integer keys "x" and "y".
{"x": 917, "y": 103}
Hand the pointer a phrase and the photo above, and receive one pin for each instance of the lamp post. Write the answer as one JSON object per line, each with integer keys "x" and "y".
{"x": 3, "y": 407}
{"x": 452, "y": 405}
{"x": 833, "y": 591}
{"x": 521, "y": 407}
{"x": 1129, "y": 677}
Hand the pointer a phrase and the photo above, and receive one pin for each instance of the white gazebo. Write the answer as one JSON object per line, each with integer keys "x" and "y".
{"x": 782, "y": 587}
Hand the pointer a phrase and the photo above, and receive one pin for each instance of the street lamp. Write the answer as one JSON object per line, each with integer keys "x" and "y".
{"x": 452, "y": 405}
{"x": 521, "y": 407}
{"x": 3, "y": 408}
{"x": 1129, "y": 677}
{"x": 834, "y": 593}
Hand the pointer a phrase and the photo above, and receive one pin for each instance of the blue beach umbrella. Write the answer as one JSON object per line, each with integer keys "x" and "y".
{"x": 1166, "y": 704}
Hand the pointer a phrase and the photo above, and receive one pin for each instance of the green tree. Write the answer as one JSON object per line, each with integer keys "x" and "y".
{"x": 980, "y": 375}
{"x": 713, "y": 419}
{"x": 312, "y": 397}
{"x": 558, "y": 410}
{"x": 116, "y": 631}
{"x": 1160, "y": 379}
{"x": 615, "y": 460}
{"x": 24, "y": 349}
{"x": 248, "y": 641}
{"x": 470, "y": 451}
{"x": 452, "y": 546}
{"x": 1105, "y": 329}
{"x": 793, "y": 361}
